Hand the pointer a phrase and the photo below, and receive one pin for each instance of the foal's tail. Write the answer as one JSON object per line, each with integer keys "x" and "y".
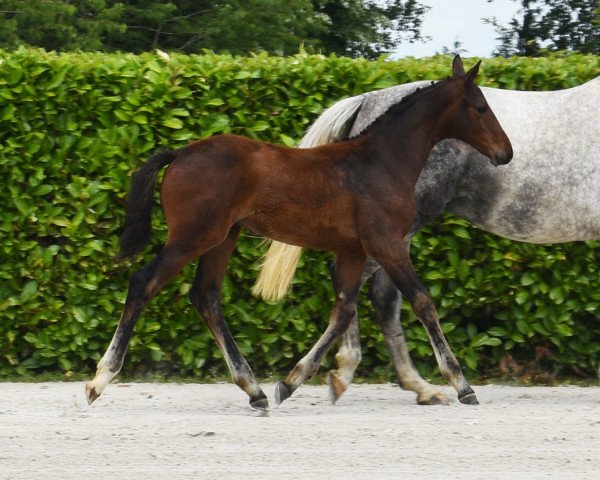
{"x": 138, "y": 228}
{"x": 279, "y": 263}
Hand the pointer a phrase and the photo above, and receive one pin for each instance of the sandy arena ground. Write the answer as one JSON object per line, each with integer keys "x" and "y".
{"x": 173, "y": 431}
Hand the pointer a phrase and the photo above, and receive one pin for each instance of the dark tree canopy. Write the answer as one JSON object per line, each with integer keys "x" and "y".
{"x": 551, "y": 25}
{"x": 352, "y": 28}
{"x": 345, "y": 27}
{"x": 238, "y": 27}
{"x": 58, "y": 25}
{"x": 368, "y": 28}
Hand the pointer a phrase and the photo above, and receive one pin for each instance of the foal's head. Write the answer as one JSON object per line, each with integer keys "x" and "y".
{"x": 472, "y": 120}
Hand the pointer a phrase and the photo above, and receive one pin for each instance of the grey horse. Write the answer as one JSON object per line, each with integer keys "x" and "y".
{"x": 549, "y": 193}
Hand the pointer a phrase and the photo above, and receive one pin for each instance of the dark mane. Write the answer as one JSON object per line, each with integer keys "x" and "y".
{"x": 398, "y": 107}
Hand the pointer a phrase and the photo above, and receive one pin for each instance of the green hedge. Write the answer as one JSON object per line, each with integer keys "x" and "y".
{"x": 74, "y": 127}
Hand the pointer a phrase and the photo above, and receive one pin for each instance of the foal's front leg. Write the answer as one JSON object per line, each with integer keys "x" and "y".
{"x": 398, "y": 266}
{"x": 348, "y": 280}
{"x": 387, "y": 302}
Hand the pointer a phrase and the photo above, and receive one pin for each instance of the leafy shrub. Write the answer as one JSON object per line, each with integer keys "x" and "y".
{"x": 74, "y": 127}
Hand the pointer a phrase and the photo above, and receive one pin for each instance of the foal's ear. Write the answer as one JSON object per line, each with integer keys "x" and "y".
{"x": 457, "y": 67}
{"x": 471, "y": 74}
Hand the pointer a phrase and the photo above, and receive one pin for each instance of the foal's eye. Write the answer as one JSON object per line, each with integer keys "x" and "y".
{"x": 482, "y": 109}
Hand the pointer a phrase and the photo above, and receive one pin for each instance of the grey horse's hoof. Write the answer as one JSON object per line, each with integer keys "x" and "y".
{"x": 282, "y": 392}
{"x": 260, "y": 403}
{"x": 469, "y": 399}
{"x": 437, "y": 398}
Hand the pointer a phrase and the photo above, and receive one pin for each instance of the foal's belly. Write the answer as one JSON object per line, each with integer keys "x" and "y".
{"x": 308, "y": 230}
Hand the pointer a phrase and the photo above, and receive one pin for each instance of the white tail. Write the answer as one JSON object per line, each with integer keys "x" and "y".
{"x": 279, "y": 263}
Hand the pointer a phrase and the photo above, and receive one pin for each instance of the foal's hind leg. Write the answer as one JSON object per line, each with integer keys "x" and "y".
{"x": 206, "y": 297}
{"x": 398, "y": 266}
{"x": 349, "y": 270}
{"x": 143, "y": 286}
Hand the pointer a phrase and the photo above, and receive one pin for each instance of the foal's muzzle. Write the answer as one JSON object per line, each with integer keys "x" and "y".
{"x": 502, "y": 157}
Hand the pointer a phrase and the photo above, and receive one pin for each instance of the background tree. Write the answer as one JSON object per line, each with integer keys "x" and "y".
{"x": 455, "y": 49}
{"x": 368, "y": 28}
{"x": 235, "y": 26}
{"x": 59, "y": 25}
{"x": 552, "y": 25}
{"x": 345, "y": 27}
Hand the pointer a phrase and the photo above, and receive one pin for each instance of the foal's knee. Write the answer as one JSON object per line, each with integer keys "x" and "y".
{"x": 204, "y": 301}
{"x": 423, "y": 307}
{"x": 341, "y": 316}
{"x": 348, "y": 310}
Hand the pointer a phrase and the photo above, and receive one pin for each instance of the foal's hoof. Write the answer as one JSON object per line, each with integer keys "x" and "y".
{"x": 90, "y": 393}
{"x": 469, "y": 399}
{"x": 282, "y": 392}
{"x": 336, "y": 387}
{"x": 437, "y": 398}
{"x": 260, "y": 403}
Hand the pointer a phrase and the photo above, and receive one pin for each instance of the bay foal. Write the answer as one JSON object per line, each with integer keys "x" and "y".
{"x": 354, "y": 198}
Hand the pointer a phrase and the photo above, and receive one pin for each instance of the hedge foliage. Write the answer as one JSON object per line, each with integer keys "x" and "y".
{"x": 74, "y": 127}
